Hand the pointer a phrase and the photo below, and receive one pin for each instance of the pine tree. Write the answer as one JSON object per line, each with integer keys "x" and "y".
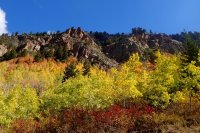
{"x": 70, "y": 71}
{"x": 86, "y": 67}
{"x": 191, "y": 51}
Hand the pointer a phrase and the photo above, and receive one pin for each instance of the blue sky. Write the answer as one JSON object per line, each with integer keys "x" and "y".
{"x": 169, "y": 16}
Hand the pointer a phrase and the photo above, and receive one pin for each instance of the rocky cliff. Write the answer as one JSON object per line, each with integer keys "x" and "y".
{"x": 82, "y": 45}
{"x": 141, "y": 42}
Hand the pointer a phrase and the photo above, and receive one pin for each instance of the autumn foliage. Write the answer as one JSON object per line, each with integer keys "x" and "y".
{"x": 128, "y": 98}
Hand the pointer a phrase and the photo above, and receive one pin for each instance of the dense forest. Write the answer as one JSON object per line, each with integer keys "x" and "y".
{"x": 52, "y": 90}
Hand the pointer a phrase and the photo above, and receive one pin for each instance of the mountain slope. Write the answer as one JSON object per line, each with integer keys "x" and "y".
{"x": 103, "y": 49}
{"x": 120, "y": 51}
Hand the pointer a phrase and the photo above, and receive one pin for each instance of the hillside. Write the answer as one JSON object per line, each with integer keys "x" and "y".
{"x": 100, "y": 48}
{"x": 76, "y": 81}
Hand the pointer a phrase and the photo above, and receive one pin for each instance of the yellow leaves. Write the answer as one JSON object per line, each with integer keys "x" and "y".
{"x": 192, "y": 77}
{"x": 3, "y": 70}
{"x": 165, "y": 98}
{"x": 163, "y": 80}
{"x": 94, "y": 91}
{"x": 79, "y": 67}
{"x": 180, "y": 97}
{"x": 97, "y": 90}
{"x": 39, "y": 76}
{"x": 28, "y": 84}
{"x": 125, "y": 80}
{"x": 133, "y": 64}
{"x": 192, "y": 69}
{"x": 134, "y": 60}
{"x": 97, "y": 71}
{"x": 19, "y": 102}
{"x": 167, "y": 69}
{"x": 158, "y": 55}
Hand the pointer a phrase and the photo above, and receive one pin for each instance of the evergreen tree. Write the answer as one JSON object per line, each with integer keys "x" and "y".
{"x": 86, "y": 67}
{"x": 191, "y": 51}
{"x": 10, "y": 55}
{"x": 70, "y": 71}
{"x": 65, "y": 54}
{"x": 38, "y": 57}
{"x": 59, "y": 53}
{"x": 190, "y": 67}
{"x": 24, "y": 53}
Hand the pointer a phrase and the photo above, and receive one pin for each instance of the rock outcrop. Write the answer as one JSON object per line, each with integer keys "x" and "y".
{"x": 3, "y": 50}
{"x": 76, "y": 41}
{"x": 81, "y": 45}
{"x": 139, "y": 43}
